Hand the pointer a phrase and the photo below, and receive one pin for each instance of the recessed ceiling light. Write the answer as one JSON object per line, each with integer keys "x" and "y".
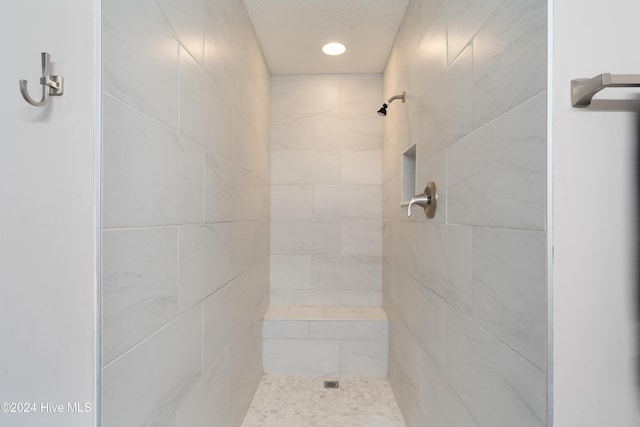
{"x": 334, "y": 49}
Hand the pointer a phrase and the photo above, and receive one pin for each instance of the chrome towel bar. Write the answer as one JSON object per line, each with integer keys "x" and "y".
{"x": 582, "y": 90}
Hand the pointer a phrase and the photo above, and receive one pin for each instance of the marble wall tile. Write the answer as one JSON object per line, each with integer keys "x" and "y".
{"x": 430, "y": 269}
{"x": 218, "y": 52}
{"x": 405, "y": 391}
{"x": 250, "y": 297}
{"x": 242, "y": 362}
{"x": 293, "y": 134}
{"x": 497, "y": 174}
{"x": 245, "y": 143}
{"x": 399, "y": 387}
{"x": 407, "y": 350}
{"x": 226, "y": 187}
{"x": 405, "y": 249}
{"x": 140, "y": 59}
{"x": 343, "y": 272}
{"x": 361, "y": 167}
{"x": 209, "y": 399}
{"x": 243, "y": 35}
{"x": 291, "y": 202}
{"x": 225, "y": 313}
{"x": 326, "y": 171}
{"x": 509, "y": 289}
{"x": 426, "y": 316}
{"x": 296, "y": 96}
{"x": 446, "y": 263}
{"x": 302, "y": 357}
{"x": 410, "y": 32}
{"x": 359, "y": 93}
{"x": 242, "y": 250}
{"x": 348, "y": 132}
{"x": 245, "y": 362}
{"x": 364, "y": 358}
{"x": 187, "y": 20}
{"x": 286, "y": 329}
{"x": 446, "y": 110}
{"x": 347, "y": 201}
{"x": 325, "y": 297}
{"x": 146, "y": 385}
{"x": 261, "y": 158}
{"x": 361, "y": 237}
{"x": 244, "y": 392}
{"x": 204, "y": 63}
{"x": 391, "y": 164}
{"x": 360, "y": 298}
{"x": 465, "y": 18}
{"x": 439, "y": 398}
{"x": 430, "y": 12}
{"x": 139, "y": 278}
{"x": 168, "y": 190}
{"x": 263, "y": 236}
{"x": 349, "y": 329}
{"x": 292, "y": 296}
{"x": 171, "y": 422}
{"x": 204, "y": 115}
{"x": 398, "y": 291}
{"x": 204, "y": 262}
{"x": 291, "y": 271}
{"x": 433, "y": 168}
{"x": 305, "y": 167}
{"x": 305, "y": 237}
{"x": 430, "y": 58}
{"x": 253, "y": 200}
{"x": 219, "y": 312}
{"x": 509, "y": 58}
{"x": 498, "y": 386}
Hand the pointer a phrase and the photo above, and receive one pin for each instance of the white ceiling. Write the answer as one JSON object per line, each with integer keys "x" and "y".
{"x": 292, "y": 33}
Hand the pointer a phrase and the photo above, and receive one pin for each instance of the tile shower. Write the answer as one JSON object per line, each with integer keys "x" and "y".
{"x": 211, "y": 192}
{"x": 465, "y": 292}
{"x": 185, "y": 212}
{"x": 326, "y": 173}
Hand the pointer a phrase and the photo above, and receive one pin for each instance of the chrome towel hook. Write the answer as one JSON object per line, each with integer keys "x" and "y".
{"x": 51, "y": 85}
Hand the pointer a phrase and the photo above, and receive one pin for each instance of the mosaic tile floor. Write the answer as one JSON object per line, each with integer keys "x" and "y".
{"x": 284, "y": 401}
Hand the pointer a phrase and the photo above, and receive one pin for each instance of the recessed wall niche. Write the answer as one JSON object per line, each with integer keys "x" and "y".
{"x": 408, "y": 174}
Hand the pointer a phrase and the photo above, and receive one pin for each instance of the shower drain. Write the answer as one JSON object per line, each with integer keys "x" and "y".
{"x": 331, "y": 384}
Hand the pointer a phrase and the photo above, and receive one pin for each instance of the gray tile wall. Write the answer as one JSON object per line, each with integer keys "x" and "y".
{"x": 326, "y": 233}
{"x": 465, "y": 291}
{"x": 186, "y": 171}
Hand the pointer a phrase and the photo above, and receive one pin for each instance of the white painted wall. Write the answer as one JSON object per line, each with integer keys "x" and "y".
{"x": 596, "y": 335}
{"x": 47, "y": 214}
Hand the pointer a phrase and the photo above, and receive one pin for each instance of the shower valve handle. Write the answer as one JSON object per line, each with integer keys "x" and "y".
{"x": 427, "y": 200}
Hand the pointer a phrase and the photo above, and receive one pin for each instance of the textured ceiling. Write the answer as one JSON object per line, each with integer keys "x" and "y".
{"x": 292, "y": 33}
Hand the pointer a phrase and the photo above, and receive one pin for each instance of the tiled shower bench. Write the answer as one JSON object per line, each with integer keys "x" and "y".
{"x": 326, "y": 341}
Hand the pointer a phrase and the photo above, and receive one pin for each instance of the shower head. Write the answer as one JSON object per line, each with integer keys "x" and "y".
{"x": 383, "y": 111}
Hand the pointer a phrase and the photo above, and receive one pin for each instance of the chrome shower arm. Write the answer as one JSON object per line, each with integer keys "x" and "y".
{"x": 396, "y": 97}
{"x": 383, "y": 111}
